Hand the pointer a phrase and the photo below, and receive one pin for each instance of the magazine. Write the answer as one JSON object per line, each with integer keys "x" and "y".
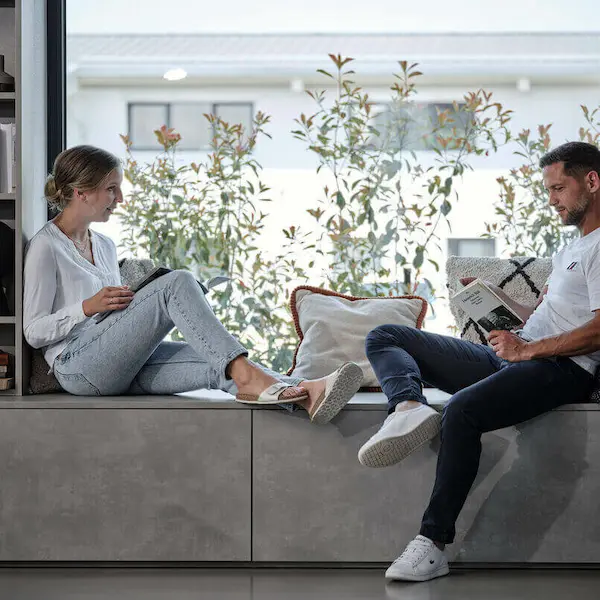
{"x": 485, "y": 307}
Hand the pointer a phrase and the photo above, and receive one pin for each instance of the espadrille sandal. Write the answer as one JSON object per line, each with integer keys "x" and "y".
{"x": 272, "y": 395}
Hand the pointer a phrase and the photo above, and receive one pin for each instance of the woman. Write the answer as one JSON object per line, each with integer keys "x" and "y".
{"x": 72, "y": 274}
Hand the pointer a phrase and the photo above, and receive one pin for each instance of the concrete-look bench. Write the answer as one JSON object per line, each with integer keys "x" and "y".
{"x": 200, "y": 478}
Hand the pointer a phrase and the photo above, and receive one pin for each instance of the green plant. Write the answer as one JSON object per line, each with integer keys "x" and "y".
{"x": 378, "y": 219}
{"x": 207, "y": 218}
{"x": 525, "y": 221}
{"x": 374, "y": 226}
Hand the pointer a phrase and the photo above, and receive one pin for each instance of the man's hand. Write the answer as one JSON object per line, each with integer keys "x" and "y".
{"x": 509, "y": 346}
{"x": 467, "y": 280}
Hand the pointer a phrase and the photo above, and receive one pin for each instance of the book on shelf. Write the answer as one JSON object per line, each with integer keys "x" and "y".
{"x": 8, "y": 158}
{"x": 486, "y": 308}
{"x": 6, "y": 382}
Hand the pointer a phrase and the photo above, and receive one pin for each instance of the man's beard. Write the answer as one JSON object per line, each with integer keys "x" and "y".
{"x": 577, "y": 213}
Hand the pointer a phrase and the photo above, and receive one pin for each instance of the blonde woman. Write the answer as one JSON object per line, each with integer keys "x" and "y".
{"x": 72, "y": 274}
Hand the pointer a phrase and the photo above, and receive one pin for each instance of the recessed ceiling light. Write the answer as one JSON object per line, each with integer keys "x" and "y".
{"x": 175, "y": 74}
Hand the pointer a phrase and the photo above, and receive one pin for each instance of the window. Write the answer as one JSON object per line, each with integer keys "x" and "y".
{"x": 235, "y": 113}
{"x": 472, "y": 247}
{"x": 143, "y": 120}
{"x": 190, "y": 122}
{"x": 410, "y": 126}
{"x": 187, "y": 118}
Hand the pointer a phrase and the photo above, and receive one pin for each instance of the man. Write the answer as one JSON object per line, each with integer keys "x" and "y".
{"x": 549, "y": 362}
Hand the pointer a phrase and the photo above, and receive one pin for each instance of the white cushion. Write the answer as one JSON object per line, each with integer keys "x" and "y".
{"x": 332, "y": 328}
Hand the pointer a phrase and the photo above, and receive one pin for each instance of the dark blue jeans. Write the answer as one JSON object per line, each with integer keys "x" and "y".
{"x": 488, "y": 394}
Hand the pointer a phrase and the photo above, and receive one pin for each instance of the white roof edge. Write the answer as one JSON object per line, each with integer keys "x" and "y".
{"x": 371, "y": 58}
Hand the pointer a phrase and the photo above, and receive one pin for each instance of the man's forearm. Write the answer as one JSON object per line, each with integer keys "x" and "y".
{"x": 583, "y": 340}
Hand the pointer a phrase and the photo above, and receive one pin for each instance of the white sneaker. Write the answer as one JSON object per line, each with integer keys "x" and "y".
{"x": 421, "y": 561}
{"x": 401, "y": 433}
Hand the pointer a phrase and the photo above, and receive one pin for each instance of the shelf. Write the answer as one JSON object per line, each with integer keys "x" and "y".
{"x": 12, "y": 196}
{"x": 4, "y": 96}
{"x": 11, "y": 392}
{"x": 7, "y": 320}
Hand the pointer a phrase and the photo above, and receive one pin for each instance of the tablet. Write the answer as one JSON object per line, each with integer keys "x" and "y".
{"x": 136, "y": 287}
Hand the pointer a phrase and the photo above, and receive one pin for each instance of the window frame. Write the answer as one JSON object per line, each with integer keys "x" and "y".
{"x": 56, "y": 82}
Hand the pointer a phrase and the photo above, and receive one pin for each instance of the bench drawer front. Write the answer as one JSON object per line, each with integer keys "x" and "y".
{"x": 125, "y": 484}
{"x": 534, "y": 501}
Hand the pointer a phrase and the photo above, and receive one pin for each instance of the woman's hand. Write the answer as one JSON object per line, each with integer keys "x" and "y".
{"x": 108, "y": 298}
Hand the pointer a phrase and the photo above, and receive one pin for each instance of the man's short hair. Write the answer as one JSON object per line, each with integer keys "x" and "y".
{"x": 579, "y": 158}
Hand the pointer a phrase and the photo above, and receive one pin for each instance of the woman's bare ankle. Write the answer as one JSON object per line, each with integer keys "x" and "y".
{"x": 241, "y": 371}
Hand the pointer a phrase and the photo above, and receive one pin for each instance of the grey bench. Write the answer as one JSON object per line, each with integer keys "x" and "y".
{"x": 201, "y": 478}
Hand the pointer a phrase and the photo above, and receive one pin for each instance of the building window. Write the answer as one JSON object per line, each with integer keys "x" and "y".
{"x": 187, "y": 118}
{"x": 143, "y": 120}
{"x": 233, "y": 112}
{"x": 472, "y": 247}
{"x": 409, "y": 126}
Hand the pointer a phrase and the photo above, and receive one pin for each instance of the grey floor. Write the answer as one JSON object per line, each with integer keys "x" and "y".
{"x": 289, "y": 584}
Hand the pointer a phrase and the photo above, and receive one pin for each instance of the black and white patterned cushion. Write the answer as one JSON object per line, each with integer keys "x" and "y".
{"x": 522, "y": 278}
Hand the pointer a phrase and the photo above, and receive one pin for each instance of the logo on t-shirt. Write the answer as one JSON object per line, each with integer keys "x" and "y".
{"x": 572, "y": 266}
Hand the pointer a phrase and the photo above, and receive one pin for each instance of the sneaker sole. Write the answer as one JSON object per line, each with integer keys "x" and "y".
{"x": 347, "y": 384}
{"x": 390, "y": 451}
{"x": 408, "y": 577}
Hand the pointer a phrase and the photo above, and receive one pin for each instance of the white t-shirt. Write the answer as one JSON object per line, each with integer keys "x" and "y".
{"x": 573, "y": 294}
{"x": 57, "y": 279}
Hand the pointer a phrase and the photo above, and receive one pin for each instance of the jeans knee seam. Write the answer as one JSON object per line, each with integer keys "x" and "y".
{"x": 191, "y": 325}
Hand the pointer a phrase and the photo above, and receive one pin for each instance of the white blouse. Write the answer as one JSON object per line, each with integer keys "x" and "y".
{"x": 57, "y": 279}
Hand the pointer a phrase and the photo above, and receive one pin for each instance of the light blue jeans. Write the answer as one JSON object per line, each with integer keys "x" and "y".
{"x": 125, "y": 353}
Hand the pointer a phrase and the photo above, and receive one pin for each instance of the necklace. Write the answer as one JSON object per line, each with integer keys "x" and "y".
{"x": 81, "y": 247}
